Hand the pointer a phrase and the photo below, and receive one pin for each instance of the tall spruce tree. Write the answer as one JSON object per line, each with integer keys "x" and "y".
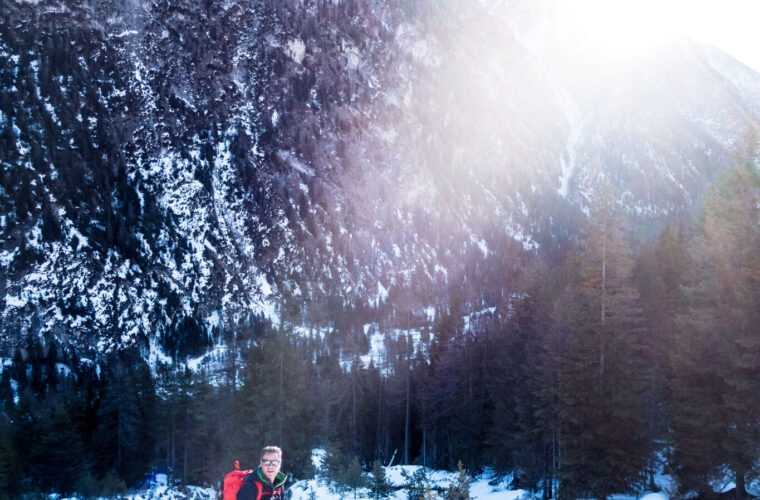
{"x": 58, "y": 448}
{"x": 379, "y": 483}
{"x": 119, "y": 427}
{"x": 11, "y": 474}
{"x": 660, "y": 273}
{"x": 522, "y": 417}
{"x": 503, "y": 372}
{"x": 208, "y": 419}
{"x": 716, "y": 383}
{"x": 276, "y": 404}
{"x": 601, "y": 373}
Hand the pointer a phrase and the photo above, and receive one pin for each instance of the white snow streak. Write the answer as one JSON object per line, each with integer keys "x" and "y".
{"x": 575, "y": 124}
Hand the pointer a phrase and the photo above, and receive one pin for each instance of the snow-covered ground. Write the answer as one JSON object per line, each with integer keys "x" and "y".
{"x": 483, "y": 487}
{"x": 480, "y": 489}
{"x": 159, "y": 489}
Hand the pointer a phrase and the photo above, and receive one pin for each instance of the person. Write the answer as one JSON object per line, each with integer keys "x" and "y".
{"x": 266, "y": 482}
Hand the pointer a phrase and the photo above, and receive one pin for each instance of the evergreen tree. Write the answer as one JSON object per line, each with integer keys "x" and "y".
{"x": 333, "y": 463}
{"x": 453, "y": 400}
{"x": 602, "y": 376}
{"x": 696, "y": 408}
{"x": 519, "y": 432}
{"x": 207, "y": 420}
{"x": 58, "y": 448}
{"x": 119, "y": 426}
{"x": 278, "y": 402}
{"x": 660, "y": 273}
{"x": 352, "y": 476}
{"x": 417, "y": 484}
{"x": 349, "y": 407}
{"x": 717, "y": 359}
{"x": 166, "y": 431}
{"x": 460, "y": 489}
{"x": 6, "y": 392}
{"x": 112, "y": 485}
{"x": 379, "y": 484}
{"x": 11, "y": 474}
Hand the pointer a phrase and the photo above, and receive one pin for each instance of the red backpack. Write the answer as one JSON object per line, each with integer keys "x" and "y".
{"x": 232, "y": 483}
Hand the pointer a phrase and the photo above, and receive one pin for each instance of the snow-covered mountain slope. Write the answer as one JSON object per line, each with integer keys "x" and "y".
{"x": 171, "y": 169}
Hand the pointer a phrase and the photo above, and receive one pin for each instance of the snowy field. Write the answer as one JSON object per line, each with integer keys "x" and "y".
{"x": 481, "y": 488}
{"x": 318, "y": 489}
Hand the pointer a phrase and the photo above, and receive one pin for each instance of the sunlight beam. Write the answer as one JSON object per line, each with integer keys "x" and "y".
{"x": 627, "y": 27}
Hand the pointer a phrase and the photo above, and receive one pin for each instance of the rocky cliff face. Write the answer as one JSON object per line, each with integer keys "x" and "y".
{"x": 172, "y": 169}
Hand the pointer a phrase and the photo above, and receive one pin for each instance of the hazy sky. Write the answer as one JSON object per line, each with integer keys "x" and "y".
{"x": 733, "y": 25}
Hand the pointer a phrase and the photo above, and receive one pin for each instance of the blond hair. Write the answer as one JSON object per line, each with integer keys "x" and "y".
{"x": 271, "y": 449}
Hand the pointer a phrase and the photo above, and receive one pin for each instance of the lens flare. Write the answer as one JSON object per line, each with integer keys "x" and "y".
{"x": 617, "y": 27}
{"x": 623, "y": 27}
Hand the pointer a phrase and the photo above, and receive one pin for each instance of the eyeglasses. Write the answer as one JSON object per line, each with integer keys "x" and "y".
{"x": 270, "y": 463}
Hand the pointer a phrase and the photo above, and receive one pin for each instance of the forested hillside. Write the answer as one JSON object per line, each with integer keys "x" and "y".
{"x": 618, "y": 359}
{"x": 396, "y": 230}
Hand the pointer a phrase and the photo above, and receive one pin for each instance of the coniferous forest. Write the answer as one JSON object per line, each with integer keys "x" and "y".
{"x": 386, "y": 229}
{"x": 620, "y": 357}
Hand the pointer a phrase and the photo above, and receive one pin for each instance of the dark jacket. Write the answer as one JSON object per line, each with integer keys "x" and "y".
{"x": 258, "y": 487}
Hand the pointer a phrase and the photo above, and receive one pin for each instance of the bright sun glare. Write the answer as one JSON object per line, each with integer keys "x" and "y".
{"x": 616, "y": 25}
{"x": 643, "y": 25}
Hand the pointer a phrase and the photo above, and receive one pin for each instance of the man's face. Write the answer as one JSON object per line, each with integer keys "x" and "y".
{"x": 270, "y": 466}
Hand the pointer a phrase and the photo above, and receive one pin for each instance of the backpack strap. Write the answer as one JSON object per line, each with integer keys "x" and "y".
{"x": 276, "y": 493}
